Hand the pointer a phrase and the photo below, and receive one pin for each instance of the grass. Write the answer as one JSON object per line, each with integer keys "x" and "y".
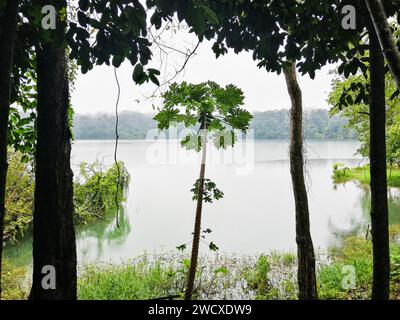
{"x": 343, "y": 174}
{"x": 130, "y": 281}
{"x": 349, "y": 273}
{"x": 345, "y": 274}
{"x": 218, "y": 277}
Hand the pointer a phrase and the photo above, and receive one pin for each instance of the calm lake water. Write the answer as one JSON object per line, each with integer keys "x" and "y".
{"x": 256, "y": 214}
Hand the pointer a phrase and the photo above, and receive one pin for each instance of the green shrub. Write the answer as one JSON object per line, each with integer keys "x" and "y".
{"x": 95, "y": 190}
{"x": 394, "y": 233}
{"x": 14, "y": 282}
{"x": 395, "y": 271}
{"x": 94, "y": 194}
{"x": 258, "y": 280}
{"x": 19, "y": 198}
{"x": 352, "y": 248}
{"x": 356, "y": 252}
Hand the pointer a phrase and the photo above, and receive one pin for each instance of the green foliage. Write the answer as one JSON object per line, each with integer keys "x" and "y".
{"x": 214, "y": 108}
{"x": 213, "y": 247}
{"x": 395, "y": 271}
{"x": 351, "y": 249}
{"x": 267, "y": 283}
{"x": 94, "y": 195}
{"x": 274, "y": 31}
{"x": 210, "y": 192}
{"x": 222, "y": 270}
{"x": 181, "y": 247}
{"x": 19, "y": 198}
{"x": 286, "y": 259}
{"x": 120, "y": 29}
{"x": 356, "y": 110}
{"x": 330, "y": 283}
{"x": 270, "y": 276}
{"x": 120, "y": 33}
{"x": 342, "y": 174}
{"x": 355, "y": 252}
{"x": 394, "y": 233}
{"x": 23, "y": 111}
{"x": 95, "y": 190}
{"x": 339, "y": 172}
{"x": 142, "y": 280}
{"x": 21, "y": 124}
{"x": 147, "y": 277}
{"x": 198, "y": 14}
{"x": 258, "y": 279}
{"x": 13, "y": 282}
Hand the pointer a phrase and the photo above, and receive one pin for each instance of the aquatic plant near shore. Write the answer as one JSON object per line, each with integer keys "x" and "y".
{"x": 95, "y": 190}
{"x": 342, "y": 174}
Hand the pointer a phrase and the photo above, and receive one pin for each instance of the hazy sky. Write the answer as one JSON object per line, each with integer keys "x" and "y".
{"x": 96, "y": 91}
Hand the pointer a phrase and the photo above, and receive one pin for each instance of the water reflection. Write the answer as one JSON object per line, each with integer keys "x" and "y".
{"x": 93, "y": 241}
{"x": 360, "y": 226}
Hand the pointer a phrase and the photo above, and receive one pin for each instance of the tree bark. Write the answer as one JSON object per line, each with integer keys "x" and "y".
{"x": 53, "y": 228}
{"x": 379, "y": 204}
{"x": 305, "y": 251}
{"x": 197, "y": 225}
{"x": 385, "y": 36}
{"x": 8, "y": 26}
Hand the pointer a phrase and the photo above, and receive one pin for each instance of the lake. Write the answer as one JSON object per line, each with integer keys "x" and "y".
{"x": 256, "y": 214}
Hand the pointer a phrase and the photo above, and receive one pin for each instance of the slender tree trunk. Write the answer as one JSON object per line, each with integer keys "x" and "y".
{"x": 53, "y": 228}
{"x": 8, "y": 26}
{"x": 305, "y": 251}
{"x": 385, "y": 36}
{"x": 197, "y": 224}
{"x": 379, "y": 204}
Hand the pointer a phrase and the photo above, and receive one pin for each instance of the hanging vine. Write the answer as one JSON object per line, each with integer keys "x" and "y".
{"x": 116, "y": 147}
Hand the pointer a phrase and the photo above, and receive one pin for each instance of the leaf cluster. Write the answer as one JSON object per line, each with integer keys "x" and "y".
{"x": 212, "y": 107}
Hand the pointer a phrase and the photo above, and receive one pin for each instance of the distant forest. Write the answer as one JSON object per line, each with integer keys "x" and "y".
{"x": 273, "y": 124}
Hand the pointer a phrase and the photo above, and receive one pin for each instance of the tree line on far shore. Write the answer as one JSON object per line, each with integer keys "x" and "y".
{"x": 271, "y": 124}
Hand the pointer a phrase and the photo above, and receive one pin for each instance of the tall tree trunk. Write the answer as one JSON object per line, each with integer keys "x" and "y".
{"x": 305, "y": 251}
{"x": 53, "y": 228}
{"x": 197, "y": 224}
{"x": 379, "y": 204}
{"x": 8, "y": 26}
{"x": 385, "y": 36}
